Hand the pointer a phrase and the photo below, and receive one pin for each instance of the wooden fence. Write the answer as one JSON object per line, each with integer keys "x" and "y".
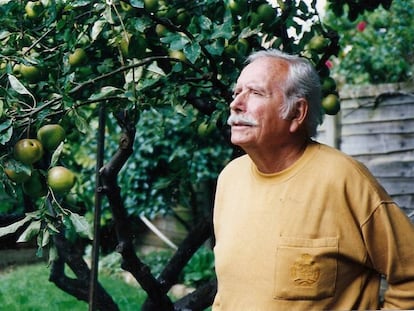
{"x": 376, "y": 126}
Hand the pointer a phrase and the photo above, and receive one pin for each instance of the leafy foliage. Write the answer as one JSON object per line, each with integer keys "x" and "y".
{"x": 378, "y": 45}
{"x": 354, "y": 8}
{"x": 200, "y": 268}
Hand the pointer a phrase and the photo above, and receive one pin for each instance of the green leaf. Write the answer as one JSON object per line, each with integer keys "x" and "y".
{"x": 81, "y": 225}
{"x": 192, "y": 52}
{"x": 97, "y": 29}
{"x": 103, "y": 92}
{"x": 53, "y": 254}
{"x": 6, "y": 131}
{"x": 52, "y": 227}
{"x": 14, "y": 226}
{"x": 18, "y": 86}
{"x": 107, "y": 14}
{"x": 40, "y": 241}
{"x": 39, "y": 252}
{"x": 222, "y": 31}
{"x": 9, "y": 188}
{"x": 44, "y": 238}
{"x": 80, "y": 123}
{"x": 215, "y": 48}
{"x": 56, "y": 154}
{"x": 205, "y": 22}
{"x": 137, "y": 4}
{"x": 19, "y": 167}
{"x": 80, "y": 3}
{"x": 32, "y": 230}
{"x": 176, "y": 41}
{"x": 5, "y": 125}
{"x": 155, "y": 69}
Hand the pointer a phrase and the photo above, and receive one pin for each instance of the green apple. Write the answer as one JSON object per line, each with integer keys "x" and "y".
{"x": 238, "y": 6}
{"x": 35, "y": 186}
{"x": 160, "y": 30}
{"x": 331, "y": 104}
{"x": 28, "y": 151}
{"x": 328, "y": 85}
{"x": 77, "y": 58}
{"x": 133, "y": 46}
{"x": 51, "y": 135}
{"x": 317, "y": 43}
{"x": 33, "y": 9}
{"x": 242, "y": 46}
{"x": 3, "y": 66}
{"x": 126, "y": 7}
{"x": 165, "y": 10}
{"x": 177, "y": 54}
{"x": 151, "y": 5}
{"x": 182, "y": 18}
{"x": 230, "y": 50}
{"x": 60, "y": 179}
{"x": 205, "y": 128}
{"x": 29, "y": 72}
{"x": 16, "y": 70}
{"x": 266, "y": 13}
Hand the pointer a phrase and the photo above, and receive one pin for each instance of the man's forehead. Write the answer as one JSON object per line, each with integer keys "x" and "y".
{"x": 264, "y": 70}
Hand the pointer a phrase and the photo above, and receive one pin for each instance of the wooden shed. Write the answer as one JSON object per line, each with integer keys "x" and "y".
{"x": 376, "y": 126}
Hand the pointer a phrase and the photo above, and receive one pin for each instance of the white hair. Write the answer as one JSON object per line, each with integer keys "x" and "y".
{"x": 302, "y": 81}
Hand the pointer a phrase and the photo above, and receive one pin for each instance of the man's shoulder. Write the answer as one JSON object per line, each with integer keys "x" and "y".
{"x": 335, "y": 156}
{"x": 341, "y": 163}
{"x": 238, "y": 164}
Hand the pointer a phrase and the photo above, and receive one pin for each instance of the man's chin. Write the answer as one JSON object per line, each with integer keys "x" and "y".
{"x": 238, "y": 141}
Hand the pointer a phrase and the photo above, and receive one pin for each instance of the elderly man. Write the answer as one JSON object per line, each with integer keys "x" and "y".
{"x": 300, "y": 225}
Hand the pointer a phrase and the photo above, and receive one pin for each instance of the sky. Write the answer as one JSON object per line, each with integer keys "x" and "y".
{"x": 320, "y": 4}
{"x": 320, "y": 7}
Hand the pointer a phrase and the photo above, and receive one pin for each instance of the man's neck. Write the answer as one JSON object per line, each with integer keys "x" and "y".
{"x": 274, "y": 160}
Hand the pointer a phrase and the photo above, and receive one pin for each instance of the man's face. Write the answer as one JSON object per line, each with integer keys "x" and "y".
{"x": 258, "y": 97}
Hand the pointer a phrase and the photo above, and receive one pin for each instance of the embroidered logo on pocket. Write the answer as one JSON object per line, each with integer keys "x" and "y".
{"x": 305, "y": 271}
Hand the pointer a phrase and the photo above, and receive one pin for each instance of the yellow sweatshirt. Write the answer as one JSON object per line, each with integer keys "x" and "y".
{"x": 316, "y": 236}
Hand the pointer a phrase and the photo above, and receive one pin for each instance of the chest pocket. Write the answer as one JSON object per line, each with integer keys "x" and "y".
{"x": 306, "y": 269}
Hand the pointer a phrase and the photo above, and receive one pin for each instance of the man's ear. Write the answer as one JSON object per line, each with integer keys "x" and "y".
{"x": 299, "y": 115}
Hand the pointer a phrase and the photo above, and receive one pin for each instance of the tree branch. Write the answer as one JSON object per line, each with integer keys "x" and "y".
{"x": 130, "y": 261}
{"x": 169, "y": 276}
{"x": 195, "y": 238}
{"x": 79, "y": 287}
{"x": 200, "y": 299}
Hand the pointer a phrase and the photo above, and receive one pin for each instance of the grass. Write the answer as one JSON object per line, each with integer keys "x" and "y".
{"x": 28, "y": 288}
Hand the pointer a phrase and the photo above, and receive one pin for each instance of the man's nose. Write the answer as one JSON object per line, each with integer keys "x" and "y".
{"x": 239, "y": 102}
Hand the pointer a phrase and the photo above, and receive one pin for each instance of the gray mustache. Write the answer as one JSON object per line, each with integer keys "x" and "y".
{"x": 241, "y": 119}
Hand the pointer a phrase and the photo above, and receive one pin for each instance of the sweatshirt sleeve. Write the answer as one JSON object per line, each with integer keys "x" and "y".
{"x": 389, "y": 236}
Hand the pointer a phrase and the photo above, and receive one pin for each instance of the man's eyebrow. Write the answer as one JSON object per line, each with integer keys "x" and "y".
{"x": 259, "y": 88}
{"x": 251, "y": 86}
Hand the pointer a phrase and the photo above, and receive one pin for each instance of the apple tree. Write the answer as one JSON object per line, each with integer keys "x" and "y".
{"x": 124, "y": 103}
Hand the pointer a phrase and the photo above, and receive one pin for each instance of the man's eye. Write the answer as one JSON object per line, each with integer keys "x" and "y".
{"x": 256, "y": 92}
